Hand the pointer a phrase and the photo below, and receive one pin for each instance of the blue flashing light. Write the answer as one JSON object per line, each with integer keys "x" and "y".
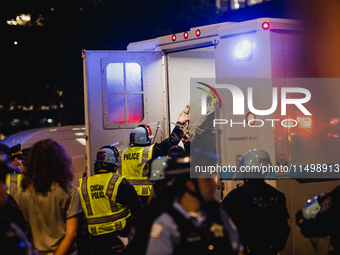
{"x": 244, "y": 50}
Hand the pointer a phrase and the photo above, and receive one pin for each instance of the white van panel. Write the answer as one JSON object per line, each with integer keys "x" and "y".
{"x": 71, "y": 137}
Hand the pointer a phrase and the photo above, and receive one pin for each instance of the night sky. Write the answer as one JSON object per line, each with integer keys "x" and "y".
{"x": 43, "y": 63}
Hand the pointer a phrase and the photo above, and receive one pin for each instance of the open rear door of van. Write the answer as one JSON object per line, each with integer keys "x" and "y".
{"x": 121, "y": 91}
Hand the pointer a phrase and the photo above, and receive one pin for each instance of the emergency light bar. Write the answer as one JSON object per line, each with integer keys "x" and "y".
{"x": 244, "y": 50}
{"x": 198, "y": 32}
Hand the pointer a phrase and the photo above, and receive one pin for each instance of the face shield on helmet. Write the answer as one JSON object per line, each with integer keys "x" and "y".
{"x": 141, "y": 135}
{"x": 256, "y": 157}
{"x": 156, "y": 169}
{"x": 252, "y": 164}
{"x": 107, "y": 158}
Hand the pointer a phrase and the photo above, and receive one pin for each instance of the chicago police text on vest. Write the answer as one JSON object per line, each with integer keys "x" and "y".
{"x": 97, "y": 191}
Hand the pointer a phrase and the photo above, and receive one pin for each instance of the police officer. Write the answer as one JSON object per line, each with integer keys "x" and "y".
{"x": 258, "y": 209}
{"x": 133, "y": 168}
{"x": 320, "y": 218}
{"x": 109, "y": 202}
{"x": 194, "y": 224}
{"x": 12, "y": 239}
{"x": 13, "y": 180}
{"x": 160, "y": 202}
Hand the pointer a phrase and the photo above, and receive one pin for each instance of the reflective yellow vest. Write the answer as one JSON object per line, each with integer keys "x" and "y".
{"x": 98, "y": 195}
{"x": 134, "y": 170}
{"x": 13, "y": 181}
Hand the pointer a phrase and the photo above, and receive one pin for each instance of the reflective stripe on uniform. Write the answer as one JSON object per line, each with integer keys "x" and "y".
{"x": 108, "y": 218}
{"x": 145, "y": 158}
{"x": 14, "y": 183}
{"x": 145, "y": 153}
{"x": 109, "y": 192}
{"x": 86, "y": 197}
{"x": 140, "y": 182}
{"x": 118, "y": 225}
{"x": 93, "y": 230}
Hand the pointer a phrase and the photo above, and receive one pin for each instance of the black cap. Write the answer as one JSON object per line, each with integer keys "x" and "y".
{"x": 6, "y": 167}
{"x": 15, "y": 152}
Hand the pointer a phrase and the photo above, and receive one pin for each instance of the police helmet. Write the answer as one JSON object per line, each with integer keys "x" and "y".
{"x": 311, "y": 208}
{"x": 107, "y": 158}
{"x": 256, "y": 157}
{"x": 156, "y": 168}
{"x": 141, "y": 135}
{"x": 250, "y": 165}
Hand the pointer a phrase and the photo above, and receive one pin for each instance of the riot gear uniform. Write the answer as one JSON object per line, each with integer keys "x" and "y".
{"x": 12, "y": 239}
{"x": 134, "y": 159}
{"x": 109, "y": 201}
{"x": 259, "y": 210}
{"x": 323, "y": 218}
{"x": 159, "y": 203}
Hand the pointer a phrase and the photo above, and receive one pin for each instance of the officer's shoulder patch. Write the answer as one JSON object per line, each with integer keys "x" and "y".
{"x": 156, "y": 230}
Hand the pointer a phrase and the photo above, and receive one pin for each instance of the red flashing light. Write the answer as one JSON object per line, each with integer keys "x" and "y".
{"x": 173, "y": 37}
{"x": 185, "y": 35}
{"x": 198, "y": 32}
{"x": 265, "y": 25}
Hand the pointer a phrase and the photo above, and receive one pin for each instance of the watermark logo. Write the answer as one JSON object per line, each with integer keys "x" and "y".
{"x": 238, "y": 99}
{"x": 204, "y": 98}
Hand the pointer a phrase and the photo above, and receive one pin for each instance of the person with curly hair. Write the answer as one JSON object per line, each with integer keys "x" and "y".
{"x": 48, "y": 200}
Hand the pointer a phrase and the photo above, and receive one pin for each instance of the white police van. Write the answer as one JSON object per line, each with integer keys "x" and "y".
{"x": 71, "y": 137}
{"x": 151, "y": 83}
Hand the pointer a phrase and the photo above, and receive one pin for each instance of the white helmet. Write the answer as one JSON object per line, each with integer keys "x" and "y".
{"x": 251, "y": 163}
{"x": 311, "y": 208}
{"x": 141, "y": 135}
{"x": 107, "y": 158}
{"x": 156, "y": 168}
{"x": 256, "y": 157}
